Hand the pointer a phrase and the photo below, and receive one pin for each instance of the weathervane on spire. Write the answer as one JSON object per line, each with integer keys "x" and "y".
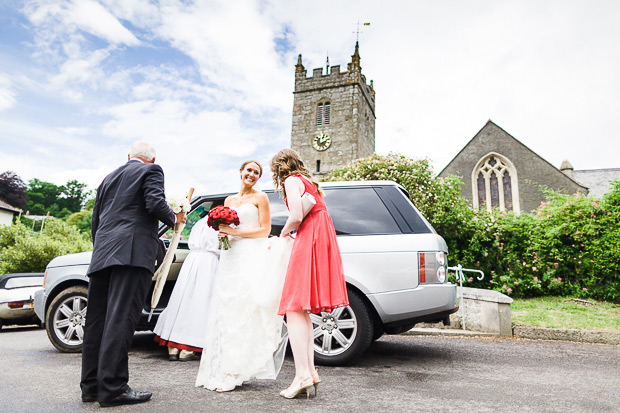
{"x": 357, "y": 32}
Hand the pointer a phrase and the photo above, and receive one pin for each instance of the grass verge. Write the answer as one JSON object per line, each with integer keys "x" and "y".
{"x": 565, "y": 312}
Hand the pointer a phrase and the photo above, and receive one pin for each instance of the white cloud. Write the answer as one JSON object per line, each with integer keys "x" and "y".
{"x": 86, "y": 15}
{"x": 82, "y": 69}
{"x": 233, "y": 45}
{"x": 79, "y": 131}
{"x": 170, "y": 121}
{"x": 7, "y": 95}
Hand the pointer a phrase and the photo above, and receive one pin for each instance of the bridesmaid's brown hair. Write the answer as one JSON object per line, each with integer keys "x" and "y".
{"x": 288, "y": 162}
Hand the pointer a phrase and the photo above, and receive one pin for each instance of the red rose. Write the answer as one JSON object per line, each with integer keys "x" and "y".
{"x": 222, "y": 215}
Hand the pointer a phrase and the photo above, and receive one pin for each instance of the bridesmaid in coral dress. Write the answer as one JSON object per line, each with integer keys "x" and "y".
{"x": 315, "y": 277}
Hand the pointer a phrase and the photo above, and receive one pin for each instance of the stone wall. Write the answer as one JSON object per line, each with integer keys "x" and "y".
{"x": 485, "y": 311}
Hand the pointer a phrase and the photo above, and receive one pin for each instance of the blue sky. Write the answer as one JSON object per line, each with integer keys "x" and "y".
{"x": 210, "y": 83}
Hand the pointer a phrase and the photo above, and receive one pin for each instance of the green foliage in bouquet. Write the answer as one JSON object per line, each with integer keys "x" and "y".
{"x": 21, "y": 251}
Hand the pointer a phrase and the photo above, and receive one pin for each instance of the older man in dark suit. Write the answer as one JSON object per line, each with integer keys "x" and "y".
{"x": 130, "y": 202}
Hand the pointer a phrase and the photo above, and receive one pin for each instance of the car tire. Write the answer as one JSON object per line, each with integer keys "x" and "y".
{"x": 343, "y": 335}
{"x": 65, "y": 317}
{"x": 378, "y": 332}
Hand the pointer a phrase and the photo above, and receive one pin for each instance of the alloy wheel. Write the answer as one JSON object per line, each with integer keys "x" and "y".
{"x": 69, "y": 320}
{"x": 334, "y": 332}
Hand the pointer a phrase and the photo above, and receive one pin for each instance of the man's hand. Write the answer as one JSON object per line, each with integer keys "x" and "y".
{"x": 181, "y": 217}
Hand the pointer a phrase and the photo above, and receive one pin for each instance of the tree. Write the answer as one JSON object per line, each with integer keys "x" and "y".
{"x": 13, "y": 189}
{"x": 59, "y": 201}
{"x": 90, "y": 204}
{"x": 42, "y": 196}
{"x": 73, "y": 195}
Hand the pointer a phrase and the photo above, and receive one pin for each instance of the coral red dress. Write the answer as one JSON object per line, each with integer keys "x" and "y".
{"x": 315, "y": 277}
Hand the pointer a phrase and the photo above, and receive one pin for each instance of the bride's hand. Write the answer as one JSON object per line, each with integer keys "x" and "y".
{"x": 288, "y": 234}
{"x": 227, "y": 230}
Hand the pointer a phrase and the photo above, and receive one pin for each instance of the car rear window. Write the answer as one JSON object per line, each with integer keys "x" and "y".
{"x": 400, "y": 199}
{"x": 354, "y": 211}
{"x": 359, "y": 211}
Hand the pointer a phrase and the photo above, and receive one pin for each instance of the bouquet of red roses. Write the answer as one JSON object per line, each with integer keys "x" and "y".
{"x": 222, "y": 215}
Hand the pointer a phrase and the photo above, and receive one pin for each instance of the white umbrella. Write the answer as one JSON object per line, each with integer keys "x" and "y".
{"x": 162, "y": 272}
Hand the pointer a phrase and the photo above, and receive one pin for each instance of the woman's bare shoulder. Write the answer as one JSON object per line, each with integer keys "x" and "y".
{"x": 295, "y": 179}
{"x": 229, "y": 199}
{"x": 260, "y": 195}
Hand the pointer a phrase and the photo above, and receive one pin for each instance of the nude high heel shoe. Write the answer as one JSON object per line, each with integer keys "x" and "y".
{"x": 294, "y": 391}
{"x": 315, "y": 381}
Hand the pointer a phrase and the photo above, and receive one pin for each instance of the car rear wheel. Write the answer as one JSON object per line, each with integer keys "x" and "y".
{"x": 344, "y": 334}
{"x": 65, "y": 319}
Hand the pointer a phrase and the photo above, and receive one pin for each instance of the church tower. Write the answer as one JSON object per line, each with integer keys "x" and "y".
{"x": 333, "y": 116}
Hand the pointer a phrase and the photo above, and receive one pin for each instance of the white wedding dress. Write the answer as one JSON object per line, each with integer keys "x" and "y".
{"x": 246, "y": 337}
{"x": 184, "y": 321}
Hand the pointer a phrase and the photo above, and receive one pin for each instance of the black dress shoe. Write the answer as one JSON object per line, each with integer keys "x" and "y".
{"x": 129, "y": 397}
{"x": 89, "y": 398}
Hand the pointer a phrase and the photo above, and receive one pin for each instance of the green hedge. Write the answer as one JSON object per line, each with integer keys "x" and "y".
{"x": 22, "y": 251}
{"x": 569, "y": 246}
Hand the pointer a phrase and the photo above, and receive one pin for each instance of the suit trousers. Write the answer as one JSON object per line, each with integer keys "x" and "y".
{"x": 116, "y": 296}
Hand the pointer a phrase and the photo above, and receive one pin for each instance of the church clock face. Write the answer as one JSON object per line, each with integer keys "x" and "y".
{"x": 321, "y": 142}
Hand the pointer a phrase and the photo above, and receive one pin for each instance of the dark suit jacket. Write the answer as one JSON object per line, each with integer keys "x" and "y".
{"x": 130, "y": 202}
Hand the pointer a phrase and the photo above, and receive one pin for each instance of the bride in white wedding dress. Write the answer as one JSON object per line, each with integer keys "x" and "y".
{"x": 245, "y": 337}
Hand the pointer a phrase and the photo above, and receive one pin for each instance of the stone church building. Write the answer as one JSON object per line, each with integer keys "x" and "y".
{"x": 333, "y": 116}
{"x": 501, "y": 172}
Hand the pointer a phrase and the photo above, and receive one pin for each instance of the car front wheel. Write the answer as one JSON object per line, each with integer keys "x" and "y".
{"x": 65, "y": 319}
{"x": 343, "y": 334}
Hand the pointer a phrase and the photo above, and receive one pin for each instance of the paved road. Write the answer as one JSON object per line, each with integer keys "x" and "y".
{"x": 399, "y": 373}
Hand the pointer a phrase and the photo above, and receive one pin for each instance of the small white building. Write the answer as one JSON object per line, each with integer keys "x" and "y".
{"x": 7, "y": 212}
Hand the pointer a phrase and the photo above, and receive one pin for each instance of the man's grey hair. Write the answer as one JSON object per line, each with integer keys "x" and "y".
{"x": 142, "y": 150}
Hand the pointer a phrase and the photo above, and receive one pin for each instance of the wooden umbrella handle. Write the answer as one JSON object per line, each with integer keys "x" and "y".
{"x": 191, "y": 192}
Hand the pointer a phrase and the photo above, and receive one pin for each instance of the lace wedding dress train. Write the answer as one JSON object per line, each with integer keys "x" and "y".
{"x": 245, "y": 337}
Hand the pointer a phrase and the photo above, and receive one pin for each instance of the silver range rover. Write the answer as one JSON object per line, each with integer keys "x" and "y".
{"x": 395, "y": 266}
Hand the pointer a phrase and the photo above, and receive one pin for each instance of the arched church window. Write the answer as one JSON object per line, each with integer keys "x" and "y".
{"x": 323, "y": 114}
{"x": 494, "y": 184}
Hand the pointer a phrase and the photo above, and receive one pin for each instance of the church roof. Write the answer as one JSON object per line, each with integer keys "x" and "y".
{"x": 597, "y": 180}
{"x": 490, "y": 123}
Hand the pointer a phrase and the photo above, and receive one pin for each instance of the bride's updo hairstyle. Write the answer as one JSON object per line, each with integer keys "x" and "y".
{"x": 260, "y": 167}
{"x": 288, "y": 162}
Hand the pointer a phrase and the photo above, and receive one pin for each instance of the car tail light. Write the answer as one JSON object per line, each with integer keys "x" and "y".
{"x": 17, "y": 304}
{"x": 433, "y": 267}
{"x": 441, "y": 267}
{"x": 45, "y": 278}
{"x": 422, "y": 267}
